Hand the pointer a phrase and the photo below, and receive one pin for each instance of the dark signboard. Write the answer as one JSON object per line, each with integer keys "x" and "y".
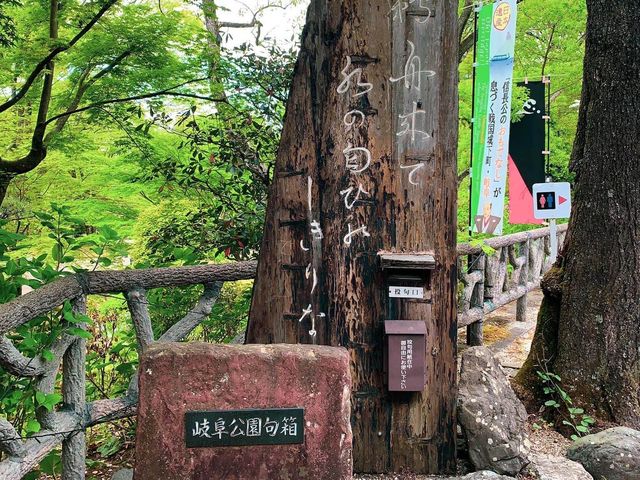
{"x": 229, "y": 428}
{"x": 546, "y": 200}
{"x": 526, "y": 160}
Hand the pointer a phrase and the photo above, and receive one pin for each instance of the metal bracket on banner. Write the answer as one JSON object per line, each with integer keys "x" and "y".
{"x": 477, "y": 7}
{"x": 546, "y": 152}
{"x": 546, "y": 79}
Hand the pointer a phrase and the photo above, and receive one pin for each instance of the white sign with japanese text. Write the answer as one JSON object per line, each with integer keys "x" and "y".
{"x": 406, "y": 292}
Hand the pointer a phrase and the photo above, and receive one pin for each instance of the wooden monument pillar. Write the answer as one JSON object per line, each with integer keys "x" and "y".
{"x": 367, "y": 166}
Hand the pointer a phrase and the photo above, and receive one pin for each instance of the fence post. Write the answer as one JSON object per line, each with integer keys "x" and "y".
{"x": 474, "y": 330}
{"x": 74, "y": 397}
{"x": 139, "y": 309}
{"x": 521, "y": 305}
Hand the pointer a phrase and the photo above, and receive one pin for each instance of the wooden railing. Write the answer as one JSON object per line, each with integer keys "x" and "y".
{"x": 67, "y": 425}
{"x": 507, "y": 275}
{"x": 488, "y": 283}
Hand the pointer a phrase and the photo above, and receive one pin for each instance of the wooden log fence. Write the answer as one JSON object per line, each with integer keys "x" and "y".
{"x": 491, "y": 281}
{"x": 487, "y": 283}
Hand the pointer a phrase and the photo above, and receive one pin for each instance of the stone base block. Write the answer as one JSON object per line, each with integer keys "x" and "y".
{"x": 179, "y": 378}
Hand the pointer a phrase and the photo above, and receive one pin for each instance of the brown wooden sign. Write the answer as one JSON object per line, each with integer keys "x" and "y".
{"x": 406, "y": 356}
{"x": 367, "y": 164}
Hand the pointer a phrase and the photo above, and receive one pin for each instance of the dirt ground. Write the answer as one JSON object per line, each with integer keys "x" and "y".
{"x": 103, "y": 469}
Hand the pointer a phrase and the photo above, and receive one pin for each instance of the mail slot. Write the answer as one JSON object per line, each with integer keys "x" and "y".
{"x": 405, "y": 355}
{"x": 407, "y": 283}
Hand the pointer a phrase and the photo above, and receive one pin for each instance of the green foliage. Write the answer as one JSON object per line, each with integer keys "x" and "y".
{"x": 51, "y": 466}
{"x": 480, "y": 242}
{"x": 72, "y": 248}
{"x": 561, "y": 403}
{"x": 551, "y": 42}
{"x": 70, "y": 235}
{"x": 8, "y": 32}
{"x": 519, "y": 95}
{"x": 223, "y": 163}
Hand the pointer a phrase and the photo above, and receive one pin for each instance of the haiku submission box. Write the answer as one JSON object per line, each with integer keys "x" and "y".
{"x": 243, "y": 412}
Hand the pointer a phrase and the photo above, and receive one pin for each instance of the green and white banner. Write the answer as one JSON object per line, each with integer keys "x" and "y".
{"x": 492, "y": 114}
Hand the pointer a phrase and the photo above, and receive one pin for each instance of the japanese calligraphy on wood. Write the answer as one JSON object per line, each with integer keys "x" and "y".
{"x": 371, "y": 126}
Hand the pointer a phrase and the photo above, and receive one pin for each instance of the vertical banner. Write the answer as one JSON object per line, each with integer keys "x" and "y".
{"x": 526, "y": 161}
{"x": 492, "y": 114}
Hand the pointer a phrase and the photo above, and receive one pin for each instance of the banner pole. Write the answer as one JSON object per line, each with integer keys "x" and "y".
{"x": 553, "y": 226}
{"x": 553, "y": 240}
{"x": 548, "y": 164}
{"x": 473, "y": 112}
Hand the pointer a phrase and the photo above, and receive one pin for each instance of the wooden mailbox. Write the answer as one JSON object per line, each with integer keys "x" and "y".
{"x": 408, "y": 281}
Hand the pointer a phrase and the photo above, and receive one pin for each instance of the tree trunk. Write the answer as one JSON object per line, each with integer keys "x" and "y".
{"x": 212, "y": 24}
{"x": 594, "y": 341}
{"x": 5, "y": 181}
{"x": 8, "y": 170}
{"x": 379, "y": 82}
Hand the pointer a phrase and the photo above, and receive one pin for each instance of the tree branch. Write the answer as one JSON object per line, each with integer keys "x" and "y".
{"x": 72, "y": 106}
{"x": 109, "y": 68}
{"x": 83, "y": 86}
{"x": 250, "y": 24}
{"x": 254, "y": 19}
{"x": 556, "y": 94}
{"x": 465, "y": 46}
{"x": 166, "y": 92}
{"x": 42, "y": 65}
{"x": 548, "y": 49}
{"x": 463, "y": 19}
{"x": 38, "y": 148}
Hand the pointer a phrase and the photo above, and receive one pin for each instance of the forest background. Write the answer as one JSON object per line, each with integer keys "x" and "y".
{"x": 163, "y": 126}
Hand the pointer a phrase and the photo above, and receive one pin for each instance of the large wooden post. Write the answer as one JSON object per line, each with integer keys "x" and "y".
{"x": 367, "y": 163}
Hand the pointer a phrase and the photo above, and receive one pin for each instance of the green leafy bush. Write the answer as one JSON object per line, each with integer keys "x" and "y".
{"x": 562, "y": 404}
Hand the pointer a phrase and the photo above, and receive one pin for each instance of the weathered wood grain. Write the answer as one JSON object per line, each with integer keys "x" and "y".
{"x": 139, "y": 308}
{"x": 477, "y": 264}
{"x": 403, "y": 212}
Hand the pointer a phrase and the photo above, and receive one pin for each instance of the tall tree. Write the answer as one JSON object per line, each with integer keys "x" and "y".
{"x": 587, "y": 329}
{"x": 215, "y": 26}
{"x": 74, "y": 69}
{"x": 367, "y": 165}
